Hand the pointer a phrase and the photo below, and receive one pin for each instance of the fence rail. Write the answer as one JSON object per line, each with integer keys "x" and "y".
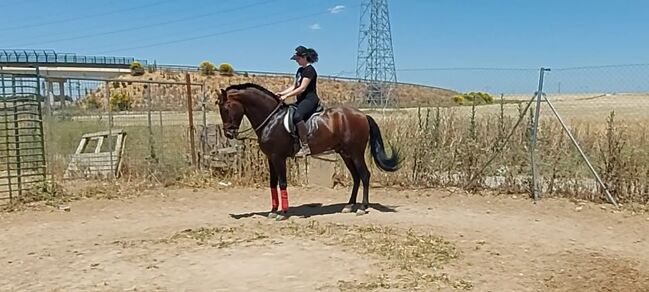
{"x": 50, "y": 57}
{"x": 22, "y": 149}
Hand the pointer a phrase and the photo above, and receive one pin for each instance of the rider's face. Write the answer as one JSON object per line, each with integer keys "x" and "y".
{"x": 301, "y": 60}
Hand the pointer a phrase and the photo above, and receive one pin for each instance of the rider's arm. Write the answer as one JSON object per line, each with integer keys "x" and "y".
{"x": 296, "y": 91}
{"x": 285, "y": 91}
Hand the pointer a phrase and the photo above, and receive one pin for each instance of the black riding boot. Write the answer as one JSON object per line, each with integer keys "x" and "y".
{"x": 302, "y": 132}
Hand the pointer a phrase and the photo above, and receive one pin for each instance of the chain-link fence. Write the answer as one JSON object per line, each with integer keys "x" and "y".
{"x": 472, "y": 123}
{"x": 490, "y": 137}
{"x": 122, "y": 127}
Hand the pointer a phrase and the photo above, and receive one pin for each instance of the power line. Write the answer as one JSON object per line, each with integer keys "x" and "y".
{"x": 465, "y": 69}
{"x": 95, "y": 25}
{"x": 600, "y": 67}
{"x": 217, "y": 33}
{"x": 516, "y": 69}
{"x": 84, "y": 17}
{"x": 142, "y": 27}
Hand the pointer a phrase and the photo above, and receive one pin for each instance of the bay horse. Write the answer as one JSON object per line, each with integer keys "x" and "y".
{"x": 342, "y": 129}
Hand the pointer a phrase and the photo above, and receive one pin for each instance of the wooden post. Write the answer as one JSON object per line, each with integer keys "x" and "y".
{"x": 192, "y": 145}
{"x": 110, "y": 130}
{"x": 150, "y": 123}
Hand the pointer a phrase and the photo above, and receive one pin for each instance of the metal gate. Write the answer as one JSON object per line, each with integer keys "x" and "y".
{"x": 22, "y": 150}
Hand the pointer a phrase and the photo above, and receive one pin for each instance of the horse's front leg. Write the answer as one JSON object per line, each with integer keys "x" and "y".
{"x": 279, "y": 164}
{"x": 273, "y": 190}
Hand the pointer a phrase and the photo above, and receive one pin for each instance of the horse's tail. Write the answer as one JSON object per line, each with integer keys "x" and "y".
{"x": 391, "y": 163}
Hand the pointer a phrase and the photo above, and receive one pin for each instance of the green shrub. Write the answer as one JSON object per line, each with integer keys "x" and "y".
{"x": 136, "y": 68}
{"x": 471, "y": 97}
{"x": 120, "y": 101}
{"x": 226, "y": 69}
{"x": 459, "y": 99}
{"x": 206, "y": 68}
{"x": 488, "y": 99}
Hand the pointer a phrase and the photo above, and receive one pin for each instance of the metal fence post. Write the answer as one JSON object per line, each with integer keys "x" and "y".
{"x": 5, "y": 115}
{"x": 192, "y": 145}
{"x": 40, "y": 123}
{"x": 2, "y": 78}
{"x": 535, "y": 130}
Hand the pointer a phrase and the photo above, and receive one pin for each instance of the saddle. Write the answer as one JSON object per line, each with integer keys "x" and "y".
{"x": 311, "y": 122}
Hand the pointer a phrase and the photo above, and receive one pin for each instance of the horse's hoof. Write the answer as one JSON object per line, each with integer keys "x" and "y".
{"x": 360, "y": 212}
{"x": 281, "y": 217}
{"x": 347, "y": 209}
{"x": 272, "y": 215}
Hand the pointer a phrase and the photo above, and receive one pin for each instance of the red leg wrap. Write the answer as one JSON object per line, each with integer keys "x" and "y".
{"x": 274, "y": 198}
{"x": 284, "y": 200}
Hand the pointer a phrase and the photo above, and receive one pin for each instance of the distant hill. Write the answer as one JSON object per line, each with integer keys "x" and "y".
{"x": 332, "y": 91}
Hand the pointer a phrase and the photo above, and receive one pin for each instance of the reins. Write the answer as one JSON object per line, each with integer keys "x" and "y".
{"x": 279, "y": 105}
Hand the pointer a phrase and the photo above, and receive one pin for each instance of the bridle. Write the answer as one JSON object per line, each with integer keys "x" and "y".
{"x": 256, "y": 129}
{"x": 279, "y": 105}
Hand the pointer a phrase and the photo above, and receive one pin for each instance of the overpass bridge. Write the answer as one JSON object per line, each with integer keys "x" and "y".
{"x": 53, "y": 65}
{"x": 56, "y": 69}
{"x": 50, "y": 58}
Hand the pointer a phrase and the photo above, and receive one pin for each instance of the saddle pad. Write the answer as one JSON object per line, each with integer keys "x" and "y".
{"x": 311, "y": 122}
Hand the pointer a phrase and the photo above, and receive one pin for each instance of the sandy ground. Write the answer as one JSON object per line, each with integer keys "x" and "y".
{"x": 145, "y": 243}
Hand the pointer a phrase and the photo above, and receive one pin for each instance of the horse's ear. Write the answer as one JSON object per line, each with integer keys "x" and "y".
{"x": 220, "y": 97}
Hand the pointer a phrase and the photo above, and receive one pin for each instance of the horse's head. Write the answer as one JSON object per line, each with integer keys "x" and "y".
{"x": 231, "y": 111}
{"x": 249, "y": 99}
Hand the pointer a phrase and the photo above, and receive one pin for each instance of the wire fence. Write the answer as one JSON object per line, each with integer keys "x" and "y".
{"x": 497, "y": 141}
{"x": 474, "y": 128}
{"x": 123, "y": 128}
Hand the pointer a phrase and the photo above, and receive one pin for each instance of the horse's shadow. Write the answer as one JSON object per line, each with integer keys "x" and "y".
{"x": 317, "y": 209}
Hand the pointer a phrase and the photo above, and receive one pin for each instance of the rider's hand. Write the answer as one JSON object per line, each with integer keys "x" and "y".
{"x": 282, "y": 97}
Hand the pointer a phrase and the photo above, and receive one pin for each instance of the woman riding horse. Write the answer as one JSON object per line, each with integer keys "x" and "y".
{"x": 304, "y": 87}
{"x": 343, "y": 129}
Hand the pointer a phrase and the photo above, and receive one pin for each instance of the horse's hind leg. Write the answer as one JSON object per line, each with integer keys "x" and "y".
{"x": 352, "y": 169}
{"x": 364, "y": 175}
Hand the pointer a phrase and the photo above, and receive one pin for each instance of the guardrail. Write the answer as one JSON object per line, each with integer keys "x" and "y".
{"x": 50, "y": 57}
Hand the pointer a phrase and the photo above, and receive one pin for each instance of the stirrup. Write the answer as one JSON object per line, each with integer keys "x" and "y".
{"x": 304, "y": 151}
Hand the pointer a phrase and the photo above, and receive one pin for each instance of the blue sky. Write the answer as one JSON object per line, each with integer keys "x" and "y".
{"x": 261, "y": 35}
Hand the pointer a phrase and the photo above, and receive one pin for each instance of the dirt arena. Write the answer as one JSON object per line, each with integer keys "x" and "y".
{"x": 220, "y": 240}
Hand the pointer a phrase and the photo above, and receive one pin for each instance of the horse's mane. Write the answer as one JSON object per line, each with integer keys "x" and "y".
{"x": 252, "y": 85}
